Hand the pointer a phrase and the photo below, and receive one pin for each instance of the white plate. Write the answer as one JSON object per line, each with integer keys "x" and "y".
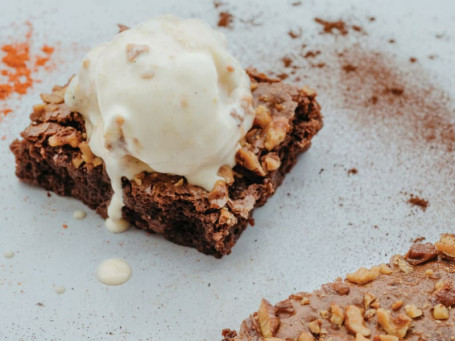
{"x": 318, "y": 225}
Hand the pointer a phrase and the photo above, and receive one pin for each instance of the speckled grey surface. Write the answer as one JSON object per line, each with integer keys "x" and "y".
{"x": 318, "y": 226}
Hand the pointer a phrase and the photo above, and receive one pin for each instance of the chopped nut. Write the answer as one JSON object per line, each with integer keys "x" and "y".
{"x": 385, "y": 338}
{"x": 402, "y": 264}
{"x": 226, "y": 173}
{"x": 65, "y": 137}
{"x": 315, "y": 326}
{"x": 440, "y": 312}
{"x": 412, "y": 311}
{"x": 218, "y": 197}
{"x": 368, "y": 299}
{"x": 305, "y": 301}
{"x": 384, "y": 269}
{"x": 324, "y": 314}
{"x": 421, "y": 253}
{"x": 305, "y": 336}
{"x": 250, "y": 161}
{"x": 397, "y": 326}
{"x": 354, "y": 321}
{"x": 262, "y": 116}
{"x": 363, "y": 275}
{"x": 179, "y": 183}
{"x": 308, "y": 92}
{"x": 39, "y": 108}
{"x": 375, "y": 304}
{"x": 268, "y": 322}
{"x": 341, "y": 288}
{"x": 253, "y": 86}
{"x": 52, "y": 98}
{"x": 446, "y": 245}
{"x": 138, "y": 178}
{"x": 360, "y": 337}
{"x": 226, "y": 217}
{"x": 271, "y": 162}
{"x": 397, "y": 305}
{"x": 369, "y": 314}
{"x": 276, "y": 133}
{"x": 77, "y": 162}
{"x": 337, "y": 315}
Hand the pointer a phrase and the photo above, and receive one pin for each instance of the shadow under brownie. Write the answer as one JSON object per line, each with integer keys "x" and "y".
{"x": 53, "y": 154}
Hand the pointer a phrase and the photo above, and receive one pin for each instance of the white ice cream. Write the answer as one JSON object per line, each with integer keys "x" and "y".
{"x": 165, "y": 96}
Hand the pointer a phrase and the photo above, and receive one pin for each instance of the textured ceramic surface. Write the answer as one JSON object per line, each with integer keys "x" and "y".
{"x": 319, "y": 225}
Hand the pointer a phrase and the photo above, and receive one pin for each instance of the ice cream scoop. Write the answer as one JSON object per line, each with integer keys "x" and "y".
{"x": 165, "y": 96}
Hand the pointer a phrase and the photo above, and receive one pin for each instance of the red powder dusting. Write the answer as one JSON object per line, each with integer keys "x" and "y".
{"x": 419, "y": 202}
{"x": 18, "y": 66}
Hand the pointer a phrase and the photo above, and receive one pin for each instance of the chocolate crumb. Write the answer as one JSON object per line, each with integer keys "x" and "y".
{"x": 296, "y": 3}
{"x": 225, "y": 19}
{"x": 412, "y": 59}
{"x": 295, "y": 34}
{"x": 392, "y": 41}
{"x": 312, "y": 54}
{"x": 352, "y": 171}
{"x": 286, "y": 61}
{"x": 419, "y": 202}
{"x": 371, "y": 19}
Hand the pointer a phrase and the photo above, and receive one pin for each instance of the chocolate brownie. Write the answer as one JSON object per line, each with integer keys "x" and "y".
{"x": 411, "y": 298}
{"x": 53, "y": 153}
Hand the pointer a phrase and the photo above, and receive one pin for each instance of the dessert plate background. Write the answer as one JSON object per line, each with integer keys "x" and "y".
{"x": 319, "y": 225}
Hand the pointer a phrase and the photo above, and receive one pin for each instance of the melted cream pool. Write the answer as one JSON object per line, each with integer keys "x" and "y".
{"x": 114, "y": 271}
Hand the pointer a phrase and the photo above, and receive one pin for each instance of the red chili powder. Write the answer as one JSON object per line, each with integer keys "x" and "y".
{"x": 18, "y": 66}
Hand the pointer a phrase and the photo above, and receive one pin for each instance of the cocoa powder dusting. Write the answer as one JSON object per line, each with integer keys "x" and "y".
{"x": 332, "y": 26}
{"x": 419, "y": 202}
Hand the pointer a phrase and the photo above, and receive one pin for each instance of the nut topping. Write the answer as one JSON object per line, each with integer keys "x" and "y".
{"x": 315, "y": 326}
{"x": 218, "y": 197}
{"x": 446, "y": 245}
{"x": 227, "y": 174}
{"x": 412, "y": 311}
{"x": 363, "y": 275}
{"x": 421, "y": 253}
{"x": 402, "y": 264}
{"x": 440, "y": 312}
{"x": 305, "y": 336}
{"x": 354, "y": 321}
{"x": 337, "y": 315}
{"x": 385, "y": 338}
{"x": 271, "y": 162}
{"x": 276, "y": 132}
{"x": 397, "y": 326}
{"x": 268, "y": 322}
{"x": 262, "y": 117}
{"x": 250, "y": 161}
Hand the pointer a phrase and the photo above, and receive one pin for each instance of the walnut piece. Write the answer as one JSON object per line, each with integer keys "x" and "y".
{"x": 412, "y": 311}
{"x": 397, "y": 326}
{"x": 354, "y": 321}
{"x": 276, "y": 133}
{"x": 227, "y": 218}
{"x": 402, "y": 264}
{"x": 315, "y": 326}
{"x": 337, "y": 315}
{"x": 88, "y": 156}
{"x": 65, "y": 137}
{"x": 360, "y": 337}
{"x": 397, "y": 305}
{"x": 271, "y": 162}
{"x": 305, "y": 336}
{"x": 363, "y": 275}
{"x": 440, "y": 312}
{"x": 227, "y": 174}
{"x": 262, "y": 117}
{"x": 384, "y": 269}
{"x": 53, "y": 98}
{"x": 421, "y": 253}
{"x": 368, "y": 299}
{"x": 446, "y": 245}
{"x": 268, "y": 322}
{"x": 250, "y": 161}
{"x": 385, "y": 338}
{"x": 218, "y": 197}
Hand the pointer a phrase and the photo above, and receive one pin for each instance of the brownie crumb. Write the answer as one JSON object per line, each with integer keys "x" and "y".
{"x": 412, "y": 59}
{"x": 419, "y": 239}
{"x": 331, "y": 26}
{"x": 225, "y": 19}
{"x": 419, "y": 202}
{"x": 286, "y": 61}
{"x": 312, "y": 54}
{"x": 392, "y": 41}
{"x": 296, "y": 3}
{"x": 352, "y": 171}
{"x": 295, "y": 34}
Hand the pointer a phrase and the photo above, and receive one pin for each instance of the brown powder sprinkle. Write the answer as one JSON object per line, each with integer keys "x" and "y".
{"x": 352, "y": 171}
{"x": 295, "y": 34}
{"x": 330, "y": 26}
{"x": 419, "y": 202}
{"x": 225, "y": 19}
{"x": 349, "y": 68}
